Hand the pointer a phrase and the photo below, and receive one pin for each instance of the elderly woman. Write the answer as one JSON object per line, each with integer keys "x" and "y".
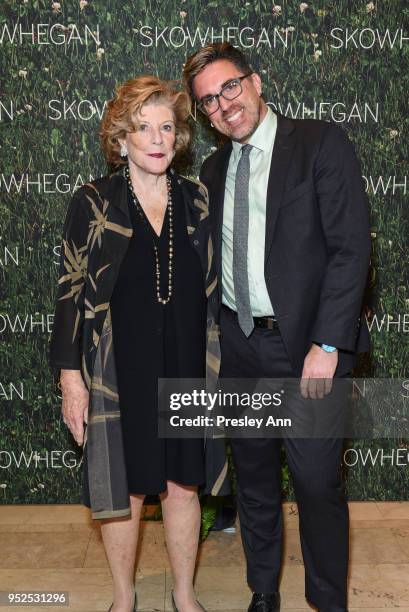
{"x": 135, "y": 299}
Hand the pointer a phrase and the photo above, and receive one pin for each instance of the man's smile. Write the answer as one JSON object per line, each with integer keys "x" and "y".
{"x": 235, "y": 117}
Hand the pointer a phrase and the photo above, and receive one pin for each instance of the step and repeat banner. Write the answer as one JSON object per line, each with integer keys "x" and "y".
{"x": 344, "y": 61}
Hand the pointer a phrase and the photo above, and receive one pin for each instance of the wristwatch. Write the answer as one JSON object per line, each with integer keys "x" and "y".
{"x": 327, "y": 348}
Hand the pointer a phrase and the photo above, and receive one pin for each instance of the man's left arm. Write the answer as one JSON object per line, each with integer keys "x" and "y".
{"x": 345, "y": 222}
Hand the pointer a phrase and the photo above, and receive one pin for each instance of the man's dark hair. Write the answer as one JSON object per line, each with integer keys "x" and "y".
{"x": 209, "y": 54}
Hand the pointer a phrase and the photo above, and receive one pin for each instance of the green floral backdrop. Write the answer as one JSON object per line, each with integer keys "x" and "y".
{"x": 342, "y": 60}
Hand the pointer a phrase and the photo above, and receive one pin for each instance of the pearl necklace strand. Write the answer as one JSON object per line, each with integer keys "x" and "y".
{"x": 160, "y": 299}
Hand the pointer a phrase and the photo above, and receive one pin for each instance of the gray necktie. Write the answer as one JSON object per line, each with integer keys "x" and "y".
{"x": 240, "y": 242}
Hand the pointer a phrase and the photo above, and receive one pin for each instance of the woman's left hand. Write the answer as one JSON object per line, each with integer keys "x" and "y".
{"x": 75, "y": 399}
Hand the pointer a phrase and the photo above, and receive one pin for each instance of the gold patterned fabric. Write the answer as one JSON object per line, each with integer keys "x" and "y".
{"x": 95, "y": 239}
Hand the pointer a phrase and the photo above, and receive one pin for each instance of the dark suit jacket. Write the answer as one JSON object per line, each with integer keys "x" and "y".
{"x": 317, "y": 243}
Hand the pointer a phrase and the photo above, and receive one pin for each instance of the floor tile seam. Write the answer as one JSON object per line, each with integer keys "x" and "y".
{"x": 87, "y": 549}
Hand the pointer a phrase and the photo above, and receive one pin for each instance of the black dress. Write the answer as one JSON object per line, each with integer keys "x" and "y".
{"x": 153, "y": 340}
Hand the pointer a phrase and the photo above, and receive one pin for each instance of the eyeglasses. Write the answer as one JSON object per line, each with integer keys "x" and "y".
{"x": 230, "y": 90}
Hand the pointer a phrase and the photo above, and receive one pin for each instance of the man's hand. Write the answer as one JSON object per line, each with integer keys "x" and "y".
{"x": 75, "y": 398}
{"x": 318, "y": 372}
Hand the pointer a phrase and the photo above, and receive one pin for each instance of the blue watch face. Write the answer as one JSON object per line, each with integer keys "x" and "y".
{"x": 327, "y": 348}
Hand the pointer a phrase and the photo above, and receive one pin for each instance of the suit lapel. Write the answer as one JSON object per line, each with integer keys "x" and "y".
{"x": 280, "y": 162}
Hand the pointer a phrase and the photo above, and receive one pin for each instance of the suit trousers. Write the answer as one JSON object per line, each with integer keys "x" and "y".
{"x": 315, "y": 467}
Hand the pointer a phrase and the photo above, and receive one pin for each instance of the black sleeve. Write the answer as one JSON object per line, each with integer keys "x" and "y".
{"x": 65, "y": 343}
{"x": 345, "y": 222}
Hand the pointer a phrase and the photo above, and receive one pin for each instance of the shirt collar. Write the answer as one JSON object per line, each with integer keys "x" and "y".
{"x": 262, "y": 138}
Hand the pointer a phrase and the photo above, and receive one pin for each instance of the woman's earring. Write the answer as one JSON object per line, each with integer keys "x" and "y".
{"x": 124, "y": 150}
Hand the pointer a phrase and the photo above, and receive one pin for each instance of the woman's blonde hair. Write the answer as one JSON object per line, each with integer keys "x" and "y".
{"x": 120, "y": 116}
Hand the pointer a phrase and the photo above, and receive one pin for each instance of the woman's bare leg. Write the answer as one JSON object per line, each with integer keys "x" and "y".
{"x": 120, "y": 537}
{"x": 181, "y": 517}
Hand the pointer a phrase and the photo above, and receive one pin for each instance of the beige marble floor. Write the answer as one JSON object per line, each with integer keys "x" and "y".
{"x": 58, "y": 548}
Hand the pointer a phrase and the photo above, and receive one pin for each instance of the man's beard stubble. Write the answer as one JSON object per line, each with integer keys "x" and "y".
{"x": 230, "y": 131}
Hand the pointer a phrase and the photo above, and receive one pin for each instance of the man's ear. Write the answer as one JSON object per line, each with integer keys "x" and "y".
{"x": 256, "y": 80}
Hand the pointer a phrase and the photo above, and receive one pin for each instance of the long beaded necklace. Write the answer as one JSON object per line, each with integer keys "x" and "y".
{"x": 160, "y": 299}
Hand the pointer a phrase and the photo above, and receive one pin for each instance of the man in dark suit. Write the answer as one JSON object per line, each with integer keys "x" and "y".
{"x": 292, "y": 246}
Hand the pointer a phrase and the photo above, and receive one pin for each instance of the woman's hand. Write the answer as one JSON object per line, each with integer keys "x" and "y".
{"x": 75, "y": 398}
